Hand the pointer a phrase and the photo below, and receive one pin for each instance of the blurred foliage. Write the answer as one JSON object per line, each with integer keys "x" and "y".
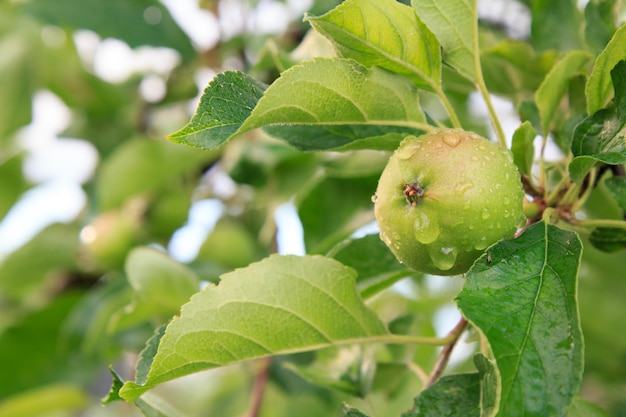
{"x": 80, "y": 295}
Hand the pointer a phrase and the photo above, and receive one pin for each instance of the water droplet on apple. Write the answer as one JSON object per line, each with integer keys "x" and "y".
{"x": 385, "y": 238}
{"x": 485, "y": 213}
{"x": 463, "y": 186}
{"x": 426, "y": 230}
{"x": 407, "y": 150}
{"x": 481, "y": 244}
{"x": 374, "y": 198}
{"x": 442, "y": 257}
{"x": 452, "y": 140}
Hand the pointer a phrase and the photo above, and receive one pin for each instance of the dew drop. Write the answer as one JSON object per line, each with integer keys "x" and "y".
{"x": 408, "y": 150}
{"x": 443, "y": 258}
{"x": 385, "y": 239}
{"x": 426, "y": 230}
{"x": 452, "y": 140}
{"x": 521, "y": 221}
{"x": 506, "y": 200}
{"x": 463, "y": 186}
{"x": 481, "y": 244}
{"x": 485, "y": 213}
{"x": 374, "y": 198}
{"x": 474, "y": 158}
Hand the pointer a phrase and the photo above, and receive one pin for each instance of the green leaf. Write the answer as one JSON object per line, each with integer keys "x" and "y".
{"x": 352, "y": 412}
{"x": 154, "y": 406}
{"x": 617, "y": 188}
{"x": 376, "y": 266}
{"x": 116, "y": 385}
{"x": 225, "y": 104}
{"x": 489, "y": 394}
{"x": 312, "y": 299}
{"x": 599, "y": 89}
{"x": 348, "y": 369}
{"x": 549, "y": 94}
{"x": 599, "y": 24}
{"x": 28, "y": 270}
{"x": 522, "y": 147}
{"x": 455, "y": 24}
{"x": 161, "y": 285}
{"x": 144, "y": 167}
{"x": 583, "y": 408}
{"x": 20, "y": 42}
{"x": 600, "y": 137}
{"x": 60, "y": 398}
{"x": 513, "y": 69}
{"x": 325, "y": 221}
{"x": 116, "y": 18}
{"x": 522, "y": 295}
{"x": 608, "y": 239}
{"x": 548, "y": 15}
{"x": 451, "y": 396}
{"x": 328, "y": 103}
{"x": 384, "y": 33}
{"x": 39, "y": 349}
{"x": 12, "y": 183}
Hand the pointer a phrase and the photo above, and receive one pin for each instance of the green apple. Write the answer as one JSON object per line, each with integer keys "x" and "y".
{"x": 444, "y": 197}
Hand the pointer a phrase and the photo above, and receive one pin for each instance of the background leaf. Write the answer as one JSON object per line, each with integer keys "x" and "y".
{"x": 599, "y": 24}
{"x": 522, "y": 296}
{"x": 144, "y": 166}
{"x": 598, "y": 89}
{"x": 547, "y": 15}
{"x": 313, "y": 299}
{"x": 583, "y": 408}
{"x": 489, "y": 393}
{"x": 58, "y": 398}
{"x": 451, "y": 396}
{"x": 600, "y": 137}
{"x": 549, "y": 94}
{"x": 19, "y": 74}
{"x": 454, "y": 23}
{"x": 225, "y": 104}
{"x": 328, "y": 103}
{"x": 617, "y": 188}
{"x": 326, "y": 222}
{"x": 608, "y": 239}
{"x": 522, "y": 147}
{"x": 26, "y": 272}
{"x": 115, "y": 18}
{"x": 376, "y": 266}
{"x": 513, "y": 69}
{"x": 384, "y": 33}
{"x": 160, "y": 286}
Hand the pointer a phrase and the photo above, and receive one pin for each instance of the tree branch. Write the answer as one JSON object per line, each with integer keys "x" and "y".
{"x": 444, "y": 356}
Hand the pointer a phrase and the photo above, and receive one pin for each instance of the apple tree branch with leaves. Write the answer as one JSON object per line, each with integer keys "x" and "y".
{"x": 505, "y": 220}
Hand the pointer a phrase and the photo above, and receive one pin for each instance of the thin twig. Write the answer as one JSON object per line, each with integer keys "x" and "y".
{"x": 258, "y": 389}
{"x": 444, "y": 356}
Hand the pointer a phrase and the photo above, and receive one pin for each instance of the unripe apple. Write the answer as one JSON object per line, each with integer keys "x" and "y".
{"x": 444, "y": 197}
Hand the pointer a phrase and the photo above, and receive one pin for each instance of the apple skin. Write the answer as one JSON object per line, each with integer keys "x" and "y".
{"x": 446, "y": 196}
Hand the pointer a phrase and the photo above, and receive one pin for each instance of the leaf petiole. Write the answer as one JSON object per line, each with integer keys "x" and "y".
{"x": 617, "y": 224}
